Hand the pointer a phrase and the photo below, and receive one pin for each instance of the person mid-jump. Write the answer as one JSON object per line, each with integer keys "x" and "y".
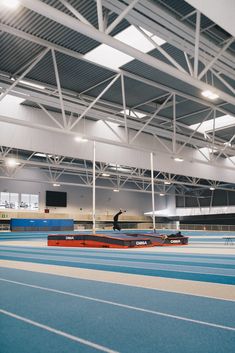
{"x": 115, "y": 220}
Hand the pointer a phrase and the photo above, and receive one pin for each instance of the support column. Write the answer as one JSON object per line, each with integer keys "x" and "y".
{"x": 93, "y": 192}
{"x": 152, "y": 183}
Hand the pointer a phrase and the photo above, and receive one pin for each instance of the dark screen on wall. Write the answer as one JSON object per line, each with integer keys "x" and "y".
{"x": 55, "y": 198}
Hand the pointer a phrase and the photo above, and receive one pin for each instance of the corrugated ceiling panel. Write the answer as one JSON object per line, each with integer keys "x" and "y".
{"x": 76, "y": 75}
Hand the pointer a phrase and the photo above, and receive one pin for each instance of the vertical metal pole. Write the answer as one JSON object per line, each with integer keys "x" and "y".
{"x": 152, "y": 183}
{"x": 197, "y": 38}
{"x": 174, "y": 124}
{"x": 93, "y": 189}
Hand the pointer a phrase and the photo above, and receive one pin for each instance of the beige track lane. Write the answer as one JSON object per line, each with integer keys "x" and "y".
{"x": 203, "y": 289}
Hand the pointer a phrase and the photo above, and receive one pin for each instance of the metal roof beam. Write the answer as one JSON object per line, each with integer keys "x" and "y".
{"x": 153, "y": 18}
{"x": 59, "y": 17}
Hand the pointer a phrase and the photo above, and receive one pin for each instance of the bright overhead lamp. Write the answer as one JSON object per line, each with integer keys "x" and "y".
{"x": 12, "y": 4}
{"x": 105, "y": 174}
{"x": 28, "y": 83}
{"x": 166, "y": 182}
{"x": 55, "y": 184}
{"x": 161, "y": 194}
{"x": 178, "y": 159}
{"x": 80, "y": 139}
{"x": 11, "y": 162}
{"x": 115, "y": 190}
{"x": 38, "y": 154}
{"x": 210, "y": 95}
{"x": 31, "y": 84}
{"x": 212, "y": 188}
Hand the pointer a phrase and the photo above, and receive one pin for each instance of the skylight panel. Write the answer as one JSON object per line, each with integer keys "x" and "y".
{"x": 220, "y": 122}
{"x": 108, "y": 56}
{"x": 113, "y": 58}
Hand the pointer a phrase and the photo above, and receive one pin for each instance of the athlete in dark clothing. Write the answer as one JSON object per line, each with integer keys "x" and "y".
{"x": 115, "y": 220}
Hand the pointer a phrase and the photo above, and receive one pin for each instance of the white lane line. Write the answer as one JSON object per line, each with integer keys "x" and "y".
{"x": 58, "y": 332}
{"x": 132, "y": 264}
{"x": 122, "y": 305}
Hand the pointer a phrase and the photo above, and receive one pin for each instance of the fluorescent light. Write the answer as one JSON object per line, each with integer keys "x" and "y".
{"x": 55, "y": 184}
{"x": 210, "y": 95}
{"x": 161, "y": 194}
{"x": 133, "y": 113}
{"x": 212, "y": 188}
{"x": 11, "y": 162}
{"x": 115, "y": 190}
{"x": 113, "y": 58}
{"x": 105, "y": 174}
{"x": 167, "y": 182}
{"x": 12, "y": 4}
{"x": 38, "y": 154}
{"x": 178, "y": 159}
{"x": 31, "y": 84}
{"x": 80, "y": 139}
{"x": 218, "y": 123}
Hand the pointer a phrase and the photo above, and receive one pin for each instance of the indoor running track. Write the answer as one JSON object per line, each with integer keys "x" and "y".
{"x": 54, "y": 314}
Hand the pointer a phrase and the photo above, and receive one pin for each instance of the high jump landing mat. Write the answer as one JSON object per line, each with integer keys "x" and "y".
{"x": 114, "y": 240}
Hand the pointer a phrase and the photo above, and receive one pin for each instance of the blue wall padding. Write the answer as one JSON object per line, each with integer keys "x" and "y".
{"x": 35, "y": 224}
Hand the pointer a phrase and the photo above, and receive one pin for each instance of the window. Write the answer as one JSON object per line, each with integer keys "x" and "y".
{"x": 13, "y": 200}
{"x": 9, "y": 200}
{"x": 29, "y": 201}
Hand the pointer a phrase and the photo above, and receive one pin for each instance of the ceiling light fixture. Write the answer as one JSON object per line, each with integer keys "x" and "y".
{"x": 55, "y": 184}
{"x": 80, "y": 139}
{"x": 12, "y": 4}
{"x": 105, "y": 174}
{"x": 38, "y": 154}
{"x": 31, "y": 84}
{"x": 167, "y": 182}
{"x": 210, "y": 95}
{"x": 115, "y": 190}
{"x": 212, "y": 188}
{"x": 11, "y": 162}
{"x": 161, "y": 194}
{"x": 178, "y": 159}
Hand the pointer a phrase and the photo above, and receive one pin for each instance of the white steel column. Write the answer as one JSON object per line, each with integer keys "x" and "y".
{"x": 197, "y": 37}
{"x": 93, "y": 192}
{"x": 152, "y": 183}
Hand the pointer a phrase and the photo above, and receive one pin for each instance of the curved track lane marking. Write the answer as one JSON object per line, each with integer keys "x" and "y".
{"x": 58, "y": 332}
{"x": 123, "y": 306}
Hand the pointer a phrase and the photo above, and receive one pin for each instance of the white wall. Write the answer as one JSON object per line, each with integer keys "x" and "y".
{"x": 107, "y": 201}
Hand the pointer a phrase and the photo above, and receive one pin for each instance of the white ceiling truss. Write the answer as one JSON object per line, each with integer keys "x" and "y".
{"x": 66, "y": 110}
{"x": 71, "y": 171}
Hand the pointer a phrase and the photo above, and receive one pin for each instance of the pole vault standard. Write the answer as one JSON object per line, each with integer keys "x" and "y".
{"x": 152, "y": 183}
{"x": 93, "y": 191}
